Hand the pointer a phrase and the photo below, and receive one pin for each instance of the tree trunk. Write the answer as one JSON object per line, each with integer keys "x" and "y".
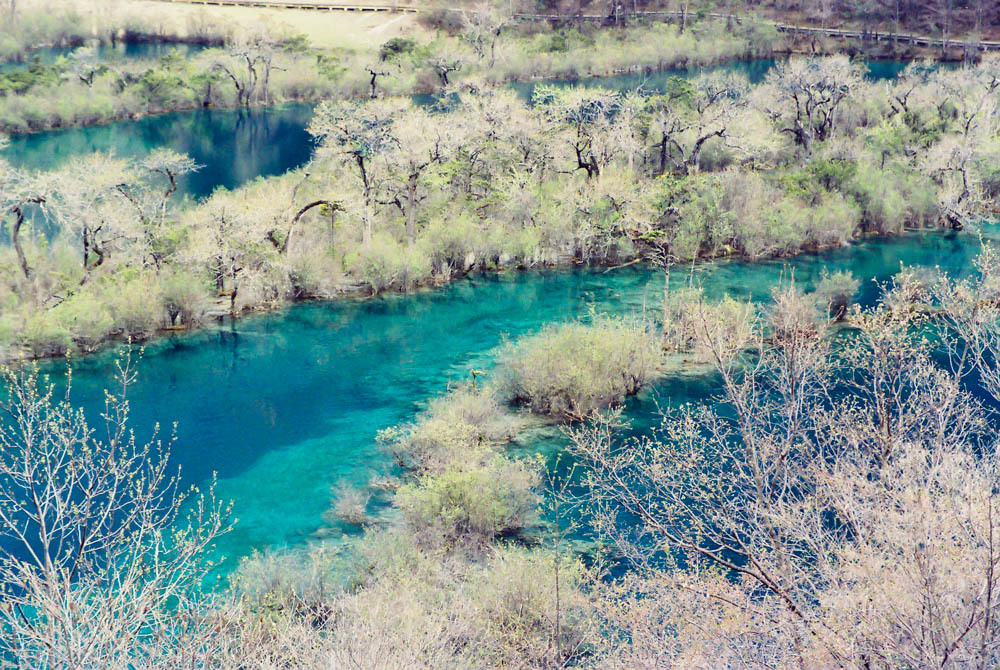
{"x": 16, "y": 242}
{"x": 411, "y": 207}
{"x": 366, "y": 231}
{"x": 283, "y": 247}
{"x": 86, "y": 247}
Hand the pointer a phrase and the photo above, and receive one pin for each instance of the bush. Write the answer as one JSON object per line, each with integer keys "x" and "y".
{"x": 572, "y": 369}
{"x": 86, "y": 317}
{"x": 458, "y": 428}
{"x": 835, "y": 293}
{"x": 474, "y": 505}
{"x": 135, "y": 304}
{"x": 892, "y": 199}
{"x": 184, "y": 296}
{"x": 388, "y": 264}
{"x": 396, "y": 47}
{"x": 526, "y": 620}
{"x": 350, "y": 504}
{"x": 452, "y": 243}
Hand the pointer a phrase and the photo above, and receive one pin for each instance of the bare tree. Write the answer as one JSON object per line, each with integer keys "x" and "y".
{"x": 101, "y": 550}
{"x": 483, "y": 26}
{"x": 248, "y": 65}
{"x": 422, "y": 141}
{"x": 802, "y": 97}
{"x": 694, "y": 114}
{"x": 362, "y": 136}
{"x": 18, "y": 191}
{"x": 87, "y": 201}
{"x": 820, "y": 516}
{"x": 595, "y": 122}
{"x": 375, "y": 74}
{"x": 151, "y": 207}
{"x": 85, "y": 65}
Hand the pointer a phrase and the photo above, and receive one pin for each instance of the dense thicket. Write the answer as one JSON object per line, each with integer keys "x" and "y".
{"x": 268, "y": 63}
{"x": 399, "y": 195}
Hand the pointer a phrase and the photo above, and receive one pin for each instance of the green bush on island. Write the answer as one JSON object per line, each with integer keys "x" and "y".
{"x": 572, "y": 369}
{"x": 455, "y": 429}
{"x": 471, "y": 504}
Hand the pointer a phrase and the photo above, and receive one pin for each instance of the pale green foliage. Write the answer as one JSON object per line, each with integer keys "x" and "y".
{"x": 413, "y": 608}
{"x": 350, "y": 503}
{"x": 572, "y": 369}
{"x": 388, "y": 264}
{"x": 494, "y": 183}
{"x": 835, "y": 292}
{"x": 472, "y": 504}
{"x": 892, "y": 199}
{"x": 456, "y": 429}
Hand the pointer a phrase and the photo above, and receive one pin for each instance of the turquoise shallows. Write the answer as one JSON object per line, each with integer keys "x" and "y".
{"x": 284, "y": 405}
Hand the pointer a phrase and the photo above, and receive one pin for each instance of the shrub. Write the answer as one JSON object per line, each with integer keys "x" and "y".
{"x": 452, "y": 243}
{"x": 389, "y": 264}
{"x": 892, "y": 199}
{"x": 680, "y": 318}
{"x": 350, "y": 504}
{"x": 135, "y": 305}
{"x": 527, "y": 622}
{"x": 572, "y": 369}
{"x": 184, "y": 296}
{"x": 457, "y": 428}
{"x": 835, "y": 292}
{"x": 86, "y": 317}
{"x": 474, "y": 505}
{"x": 396, "y": 47}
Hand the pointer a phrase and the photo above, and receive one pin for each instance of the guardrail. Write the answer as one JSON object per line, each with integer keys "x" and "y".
{"x": 315, "y": 6}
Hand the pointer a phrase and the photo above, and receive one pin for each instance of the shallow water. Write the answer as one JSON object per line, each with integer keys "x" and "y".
{"x": 284, "y": 405}
{"x": 233, "y": 146}
{"x": 122, "y": 51}
{"x": 755, "y": 71}
{"x": 236, "y": 146}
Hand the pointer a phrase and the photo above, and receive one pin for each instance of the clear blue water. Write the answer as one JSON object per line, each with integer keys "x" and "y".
{"x": 236, "y": 146}
{"x": 755, "y": 70}
{"x": 119, "y": 52}
{"x": 284, "y": 405}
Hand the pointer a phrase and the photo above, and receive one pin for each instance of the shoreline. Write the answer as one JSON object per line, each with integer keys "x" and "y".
{"x": 362, "y": 293}
{"x": 681, "y": 64}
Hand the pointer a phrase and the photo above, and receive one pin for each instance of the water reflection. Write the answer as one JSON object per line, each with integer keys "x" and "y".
{"x": 236, "y": 146}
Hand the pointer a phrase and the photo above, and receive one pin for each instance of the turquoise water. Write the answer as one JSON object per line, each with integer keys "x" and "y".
{"x": 284, "y": 405}
{"x": 755, "y": 71}
{"x": 236, "y": 146}
{"x": 120, "y": 52}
